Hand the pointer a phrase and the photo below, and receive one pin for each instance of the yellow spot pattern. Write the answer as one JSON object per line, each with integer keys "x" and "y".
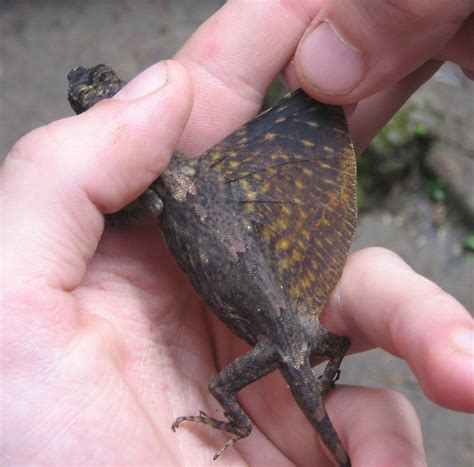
{"x": 298, "y": 188}
{"x": 282, "y": 244}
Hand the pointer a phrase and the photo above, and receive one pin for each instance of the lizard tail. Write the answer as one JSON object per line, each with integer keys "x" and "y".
{"x": 303, "y": 386}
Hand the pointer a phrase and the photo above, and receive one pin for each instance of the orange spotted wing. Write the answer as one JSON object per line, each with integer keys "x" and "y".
{"x": 293, "y": 168}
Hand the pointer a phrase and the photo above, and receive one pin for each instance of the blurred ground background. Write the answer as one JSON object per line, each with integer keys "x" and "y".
{"x": 416, "y": 183}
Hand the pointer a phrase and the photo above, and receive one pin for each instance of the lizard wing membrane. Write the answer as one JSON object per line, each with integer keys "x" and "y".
{"x": 293, "y": 168}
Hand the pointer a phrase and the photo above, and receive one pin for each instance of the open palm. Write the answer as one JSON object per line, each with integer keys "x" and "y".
{"x": 105, "y": 342}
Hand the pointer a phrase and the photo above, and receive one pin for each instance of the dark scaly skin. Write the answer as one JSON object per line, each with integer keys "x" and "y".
{"x": 262, "y": 225}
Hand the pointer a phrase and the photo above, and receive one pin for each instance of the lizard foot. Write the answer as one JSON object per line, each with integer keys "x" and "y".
{"x": 230, "y": 427}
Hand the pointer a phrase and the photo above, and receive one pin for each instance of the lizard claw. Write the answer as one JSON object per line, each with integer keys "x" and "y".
{"x": 324, "y": 385}
{"x": 227, "y": 445}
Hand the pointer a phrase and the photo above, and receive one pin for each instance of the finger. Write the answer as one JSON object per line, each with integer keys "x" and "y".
{"x": 355, "y": 49}
{"x": 382, "y": 302}
{"x": 233, "y": 57}
{"x": 59, "y": 179}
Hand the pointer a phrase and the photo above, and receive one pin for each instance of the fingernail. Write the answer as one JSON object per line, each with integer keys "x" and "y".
{"x": 463, "y": 340}
{"x": 331, "y": 65}
{"x": 145, "y": 83}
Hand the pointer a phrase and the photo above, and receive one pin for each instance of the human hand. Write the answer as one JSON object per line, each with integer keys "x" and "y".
{"x": 376, "y": 53}
{"x": 107, "y": 346}
{"x": 401, "y": 44}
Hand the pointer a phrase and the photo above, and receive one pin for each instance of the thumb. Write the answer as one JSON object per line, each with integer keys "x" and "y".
{"x": 58, "y": 179}
{"x": 354, "y": 49}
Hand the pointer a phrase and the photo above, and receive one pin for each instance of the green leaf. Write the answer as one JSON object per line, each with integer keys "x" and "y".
{"x": 436, "y": 189}
{"x": 469, "y": 242}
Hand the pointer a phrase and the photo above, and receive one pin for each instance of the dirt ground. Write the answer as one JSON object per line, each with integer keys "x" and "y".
{"x": 41, "y": 40}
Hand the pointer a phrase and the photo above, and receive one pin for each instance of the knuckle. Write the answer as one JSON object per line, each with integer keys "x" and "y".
{"x": 21, "y": 150}
{"x": 393, "y": 401}
{"x": 29, "y": 147}
{"x": 378, "y": 255}
{"x": 428, "y": 296}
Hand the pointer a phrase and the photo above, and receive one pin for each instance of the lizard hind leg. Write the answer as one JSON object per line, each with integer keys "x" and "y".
{"x": 303, "y": 386}
{"x": 144, "y": 210}
{"x": 334, "y": 347}
{"x": 244, "y": 370}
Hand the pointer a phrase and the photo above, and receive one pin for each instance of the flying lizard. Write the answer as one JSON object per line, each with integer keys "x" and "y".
{"x": 262, "y": 224}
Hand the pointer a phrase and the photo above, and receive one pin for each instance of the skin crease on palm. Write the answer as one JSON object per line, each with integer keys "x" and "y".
{"x": 104, "y": 342}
